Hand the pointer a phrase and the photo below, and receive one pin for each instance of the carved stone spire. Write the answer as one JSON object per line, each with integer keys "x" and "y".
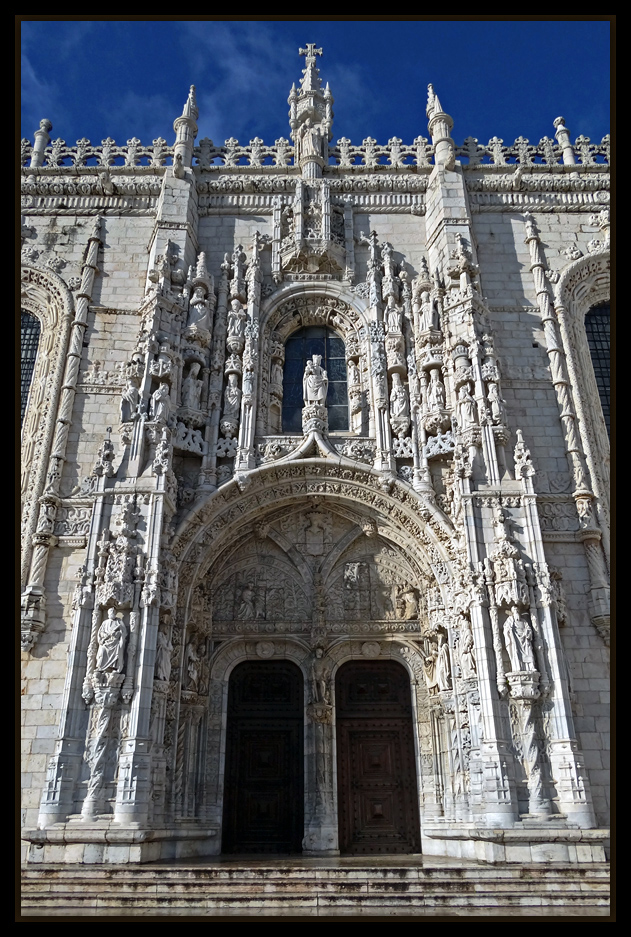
{"x": 186, "y": 130}
{"x": 190, "y": 107}
{"x": 311, "y": 116}
{"x": 310, "y": 80}
{"x": 439, "y": 126}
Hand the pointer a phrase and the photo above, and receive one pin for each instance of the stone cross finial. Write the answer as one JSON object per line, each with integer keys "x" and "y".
{"x": 310, "y": 52}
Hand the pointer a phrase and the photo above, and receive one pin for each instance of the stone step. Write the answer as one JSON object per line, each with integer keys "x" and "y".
{"x": 302, "y": 888}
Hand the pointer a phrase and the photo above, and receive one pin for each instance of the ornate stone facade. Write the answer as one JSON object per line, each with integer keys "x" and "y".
{"x": 173, "y": 527}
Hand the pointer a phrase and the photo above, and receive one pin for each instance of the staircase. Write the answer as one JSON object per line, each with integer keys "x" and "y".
{"x": 312, "y": 887}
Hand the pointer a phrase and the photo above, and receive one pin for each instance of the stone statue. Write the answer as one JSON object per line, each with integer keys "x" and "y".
{"x": 466, "y": 406}
{"x": 320, "y": 692}
{"x": 248, "y": 382}
{"x": 161, "y": 404}
{"x": 510, "y": 643}
{"x": 467, "y": 656}
{"x": 495, "y": 402}
{"x": 191, "y": 666}
{"x": 277, "y": 373}
{"x": 311, "y": 140}
{"x": 192, "y": 388}
{"x": 523, "y": 636}
{"x": 392, "y": 316}
{"x": 199, "y": 311}
{"x": 164, "y": 650}
{"x": 436, "y": 391}
{"x": 236, "y": 320}
{"x": 111, "y": 644}
{"x": 232, "y": 398}
{"x": 429, "y": 316}
{"x": 246, "y": 606}
{"x": 443, "y": 665}
{"x": 399, "y": 405}
{"x": 430, "y": 672}
{"x": 315, "y": 382}
{"x": 130, "y": 402}
{"x": 353, "y": 373}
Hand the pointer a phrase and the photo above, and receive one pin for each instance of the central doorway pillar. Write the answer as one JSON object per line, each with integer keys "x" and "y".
{"x": 321, "y": 836}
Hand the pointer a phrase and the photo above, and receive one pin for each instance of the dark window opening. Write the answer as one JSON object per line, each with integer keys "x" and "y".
{"x": 299, "y": 348}
{"x": 598, "y": 338}
{"x": 29, "y": 342}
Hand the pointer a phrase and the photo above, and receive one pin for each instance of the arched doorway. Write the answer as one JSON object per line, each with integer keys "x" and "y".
{"x": 377, "y": 790}
{"x": 264, "y": 791}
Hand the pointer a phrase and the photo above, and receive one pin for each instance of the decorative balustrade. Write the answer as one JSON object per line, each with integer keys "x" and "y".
{"x": 108, "y": 154}
{"x": 370, "y": 154}
{"x": 232, "y": 154}
{"x": 547, "y": 152}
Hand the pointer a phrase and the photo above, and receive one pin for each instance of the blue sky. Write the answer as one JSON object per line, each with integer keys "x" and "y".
{"x": 504, "y": 78}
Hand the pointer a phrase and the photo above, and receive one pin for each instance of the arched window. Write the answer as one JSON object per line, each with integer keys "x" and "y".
{"x": 597, "y": 331}
{"x": 29, "y": 342}
{"x": 299, "y": 348}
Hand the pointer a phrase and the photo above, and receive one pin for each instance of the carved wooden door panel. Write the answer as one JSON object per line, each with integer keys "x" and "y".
{"x": 377, "y": 791}
{"x": 263, "y": 792}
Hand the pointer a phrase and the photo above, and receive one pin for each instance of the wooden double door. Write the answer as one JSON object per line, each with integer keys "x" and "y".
{"x": 264, "y": 791}
{"x": 377, "y": 789}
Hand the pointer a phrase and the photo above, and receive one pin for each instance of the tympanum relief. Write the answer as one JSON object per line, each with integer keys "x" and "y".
{"x": 313, "y": 558}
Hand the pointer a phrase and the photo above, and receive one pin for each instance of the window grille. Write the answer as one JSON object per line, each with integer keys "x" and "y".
{"x": 29, "y": 342}
{"x": 597, "y": 330}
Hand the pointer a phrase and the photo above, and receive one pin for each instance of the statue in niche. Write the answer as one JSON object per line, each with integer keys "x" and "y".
{"x": 399, "y": 405}
{"x": 164, "y": 649}
{"x": 430, "y": 671}
{"x": 192, "y": 388}
{"x": 510, "y": 642}
{"x": 467, "y": 656}
{"x": 443, "y": 664}
{"x": 353, "y": 373}
{"x": 392, "y": 315}
{"x": 277, "y": 373}
{"x": 199, "y": 311}
{"x": 466, "y": 407}
{"x": 130, "y": 402}
{"x": 495, "y": 402}
{"x": 248, "y": 383}
{"x": 191, "y": 665}
{"x": 161, "y": 404}
{"x": 436, "y": 391}
{"x": 320, "y": 678}
{"x": 523, "y": 636}
{"x": 236, "y": 320}
{"x": 315, "y": 382}
{"x": 429, "y": 313}
{"x": 311, "y": 140}
{"x": 111, "y": 644}
{"x": 232, "y": 398}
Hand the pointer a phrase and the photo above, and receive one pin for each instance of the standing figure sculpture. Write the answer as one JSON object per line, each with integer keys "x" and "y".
{"x": 443, "y": 665}
{"x": 467, "y": 407}
{"x": 315, "y": 383}
{"x": 392, "y": 316}
{"x": 436, "y": 391}
{"x": 111, "y": 644}
{"x": 161, "y": 404}
{"x": 320, "y": 692}
{"x": 130, "y": 401}
{"x": 192, "y": 388}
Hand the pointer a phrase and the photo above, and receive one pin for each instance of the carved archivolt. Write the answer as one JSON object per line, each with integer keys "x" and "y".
{"x": 583, "y": 284}
{"x": 46, "y": 296}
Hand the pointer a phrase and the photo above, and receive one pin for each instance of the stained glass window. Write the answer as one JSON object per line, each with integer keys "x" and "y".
{"x": 299, "y": 348}
{"x": 30, "y": 341}
{"x": 597, "y": 329}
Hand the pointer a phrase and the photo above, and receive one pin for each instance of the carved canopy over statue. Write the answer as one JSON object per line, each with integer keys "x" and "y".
{"x": 315, "y": 382}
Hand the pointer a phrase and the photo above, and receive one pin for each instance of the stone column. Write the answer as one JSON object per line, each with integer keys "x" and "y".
{"x": 34, "y": 597}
